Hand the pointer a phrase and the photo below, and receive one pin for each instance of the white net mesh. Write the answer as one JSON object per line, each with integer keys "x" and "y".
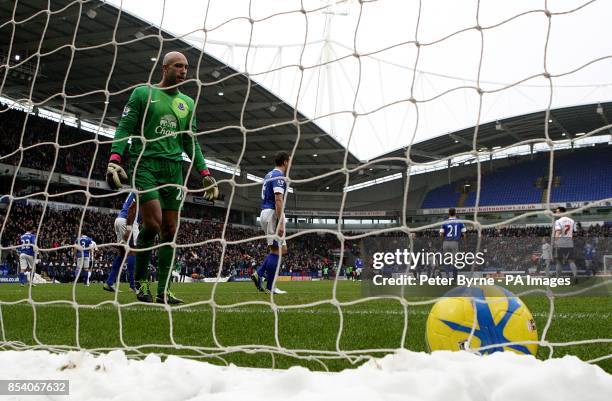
{"x": 335, "y": 85}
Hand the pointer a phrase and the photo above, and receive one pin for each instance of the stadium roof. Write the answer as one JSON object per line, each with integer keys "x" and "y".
{"x": 98, "y": 65}
{"x": 563, "y": 124}
{"x": 101, "y": 63}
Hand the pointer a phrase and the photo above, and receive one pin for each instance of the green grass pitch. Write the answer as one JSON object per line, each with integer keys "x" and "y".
{"x": 239, "y": 329}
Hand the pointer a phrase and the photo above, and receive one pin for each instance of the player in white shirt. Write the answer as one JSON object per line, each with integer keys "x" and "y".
{"x": 546, "y": 255}
{"x": 564, "y": 242}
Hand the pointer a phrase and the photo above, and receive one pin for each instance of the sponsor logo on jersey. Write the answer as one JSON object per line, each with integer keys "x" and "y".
{"x": 167, "y": 125}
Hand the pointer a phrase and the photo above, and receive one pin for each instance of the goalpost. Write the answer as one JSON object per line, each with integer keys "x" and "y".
{"x": 363, "y": 119}
{"x": 607, "y": 263}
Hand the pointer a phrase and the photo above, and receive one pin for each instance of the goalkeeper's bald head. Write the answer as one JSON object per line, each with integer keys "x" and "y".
{"x": 174, "y": 67}
{"x": 171, "y": 57}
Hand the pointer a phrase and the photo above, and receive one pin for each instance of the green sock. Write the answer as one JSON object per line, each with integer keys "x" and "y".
{"x": 146, "y": 238}
{"x": 164, "y": 259}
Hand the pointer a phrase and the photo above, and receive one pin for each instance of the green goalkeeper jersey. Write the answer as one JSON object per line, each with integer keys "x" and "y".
{"x": 167, "y": 118}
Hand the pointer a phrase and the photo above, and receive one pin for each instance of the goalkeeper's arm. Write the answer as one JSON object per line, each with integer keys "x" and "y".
{"x": 115, "y": 173}
{"x": 192, "y": 148}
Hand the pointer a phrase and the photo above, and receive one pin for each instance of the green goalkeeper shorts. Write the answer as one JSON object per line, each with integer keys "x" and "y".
{"x": 151, "y": 174}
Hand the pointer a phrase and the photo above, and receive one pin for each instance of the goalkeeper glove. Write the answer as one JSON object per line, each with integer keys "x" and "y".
{"x": 115, "y": 174}
{"x": 211, "y": 190}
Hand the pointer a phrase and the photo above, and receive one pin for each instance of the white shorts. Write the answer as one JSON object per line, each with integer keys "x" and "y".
{"x": 121, "y": 227}
{"x": 82, "y": 262}
{"x": 26, "y": 261}
{"x": 268, "y": 222}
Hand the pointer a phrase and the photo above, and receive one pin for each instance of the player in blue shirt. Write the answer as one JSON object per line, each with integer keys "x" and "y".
{"x": 589, "y": 255}
{"x": 27, "y": 256}
{"x": 84, "y": 256}
{"x": 126, "y": 229}
{"x": 272, "y": 220}
{"x": 358, "y": 268}
{"x": 451, "y": 232}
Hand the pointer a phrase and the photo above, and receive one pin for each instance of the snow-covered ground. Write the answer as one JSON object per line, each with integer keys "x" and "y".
{"x": 404, "y": 376}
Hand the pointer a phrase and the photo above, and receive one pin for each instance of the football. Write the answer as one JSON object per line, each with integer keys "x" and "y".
{"x": 501, "y": 318}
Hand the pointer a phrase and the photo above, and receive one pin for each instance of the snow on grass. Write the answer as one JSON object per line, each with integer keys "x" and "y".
{"x": 405, "y": 376}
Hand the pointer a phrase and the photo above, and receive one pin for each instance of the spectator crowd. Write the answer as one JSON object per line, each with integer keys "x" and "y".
{"x": 200, "y": 247}
{"x": 503, "y": 248}
{"x": 203, "y": 247}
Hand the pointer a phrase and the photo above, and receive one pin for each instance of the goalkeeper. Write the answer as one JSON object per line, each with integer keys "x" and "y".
{"x": 161, "y": 122}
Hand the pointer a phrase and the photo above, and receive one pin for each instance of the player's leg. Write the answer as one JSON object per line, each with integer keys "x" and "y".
{"x": 574, "y": 269}
{"x": 87, "y": 263}
{"x": 32, "y": 267}
{"x": 150, "y": 209}
{"x": 269, "y": 266}
{"x": 166, "y": 256}
{"x": 171, "y": 199}
{"x": 257, "y": 275}
{"x": 588, "y": 265}
{"x": 451, "y": 247}
{"x": 558, "y": 257}
{"x": 131, "y": 259}
{"x": 131, "y": 262}
{"x": 443, "y": 267}
{"x": 151, "y": 224}
{"x": 572, "y": 263}
{"x": 120, "y": 227}
{"x": 113, "y": 275}
{"x": 23, "y": 265}
{"x": 80, "y": 262}
{"x": 564, "y": 259}
{"x": 273, "y": 266}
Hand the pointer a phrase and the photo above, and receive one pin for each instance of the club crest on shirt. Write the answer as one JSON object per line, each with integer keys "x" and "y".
{"x": 126, "y": 111}
{"x": 180, "y": 107}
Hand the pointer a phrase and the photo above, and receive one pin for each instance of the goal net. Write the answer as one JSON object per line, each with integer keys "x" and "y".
{"x": 336, "y": 85}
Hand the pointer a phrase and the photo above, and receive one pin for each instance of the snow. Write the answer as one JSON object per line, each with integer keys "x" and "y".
{"x": 405, "y": 375}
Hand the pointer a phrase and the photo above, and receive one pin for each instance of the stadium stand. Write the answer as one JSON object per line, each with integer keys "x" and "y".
{"x": 74, "y": 160}
{"x": 512, "y": 185}
{"x": 584, "y": 176}
{"x": 444, "y": 196}
{"x": 579, "y": 175}
{"x": 60, "y": 229}
{"x": 507, "y": 248}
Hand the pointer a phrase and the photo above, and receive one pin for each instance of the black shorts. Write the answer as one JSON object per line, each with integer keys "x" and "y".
{"x": 564, "y": 254}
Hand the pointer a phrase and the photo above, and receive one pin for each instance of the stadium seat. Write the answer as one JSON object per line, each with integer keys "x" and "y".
{"x": 584, "y": 175}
